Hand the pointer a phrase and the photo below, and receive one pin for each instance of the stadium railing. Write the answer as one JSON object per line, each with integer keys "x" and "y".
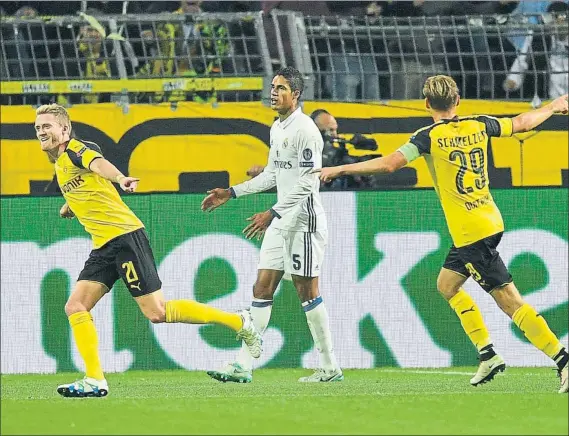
{"x": 384, "y": 58}
{"x": 227, "y": 56}
{"x": 134, "y": 58}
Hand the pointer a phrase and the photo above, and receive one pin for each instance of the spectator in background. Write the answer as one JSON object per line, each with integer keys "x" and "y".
{"x": 558, "y": 58}
{"x": 95, "y": 52}
{"x": 392, "y": 8}
{"x": 476, "y": 40}
{"x": 203, "y": 45}
{"x": 527, "y": 7}
{"x": 44, "y": 8}
{"x": 315, "y": 8}
{"x": 159, "y": 53}
{"x": 18, "y": 47}
{"x": 351, "y": 65}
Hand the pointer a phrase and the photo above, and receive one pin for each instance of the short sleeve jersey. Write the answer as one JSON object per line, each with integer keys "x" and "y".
{"x": 92, "y": 198}
{"x": 456, "y": 152}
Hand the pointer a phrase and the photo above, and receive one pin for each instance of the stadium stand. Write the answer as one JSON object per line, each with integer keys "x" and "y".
{"x": 191, "y": 51}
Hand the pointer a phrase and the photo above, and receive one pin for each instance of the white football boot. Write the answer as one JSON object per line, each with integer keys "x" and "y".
{"x": 250, "y": 335}
{"x": 233, "y": 372}
{"x": 563, "y": 375}
{"x": 86, "y": 387}
{"x": 323, "y": 376}
{"x": 487, "y": 370}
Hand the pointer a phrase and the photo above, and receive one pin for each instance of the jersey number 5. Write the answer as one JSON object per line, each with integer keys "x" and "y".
{"x": 476, "y": 160}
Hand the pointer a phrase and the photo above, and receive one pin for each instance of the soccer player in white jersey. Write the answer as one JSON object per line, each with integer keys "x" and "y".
{"x": 294, "y": 229}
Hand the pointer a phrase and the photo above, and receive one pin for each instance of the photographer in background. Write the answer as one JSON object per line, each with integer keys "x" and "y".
{"x": 335, "y": 152}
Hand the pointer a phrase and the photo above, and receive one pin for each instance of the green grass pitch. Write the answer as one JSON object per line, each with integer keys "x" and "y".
{"x": 375, "y": 401}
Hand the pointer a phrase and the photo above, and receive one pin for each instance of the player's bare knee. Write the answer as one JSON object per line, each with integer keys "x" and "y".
{"x": 306, "y": 287}
{"x": 446, "y": 288}
{"x": 74, "y": 306}
{"x": 264, "y": 291}
{"x": 266, "y": 284}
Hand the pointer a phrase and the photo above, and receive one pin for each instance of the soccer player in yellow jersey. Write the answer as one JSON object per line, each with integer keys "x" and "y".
{"x": 120, "y": 249}
{"x": 455, "y": 149}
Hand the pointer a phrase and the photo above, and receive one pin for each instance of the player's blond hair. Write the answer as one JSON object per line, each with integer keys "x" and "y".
{"x": 58, "y": 111}
{"x": 441, "y": 92}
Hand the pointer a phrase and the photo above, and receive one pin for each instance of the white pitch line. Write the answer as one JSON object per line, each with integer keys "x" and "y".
{"x": 419, "y": 371}
{"x": 422, "y": 371}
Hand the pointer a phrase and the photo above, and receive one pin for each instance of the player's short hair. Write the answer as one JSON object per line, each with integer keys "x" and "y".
{"x": 318, "y": 112}
{"x": 441, "y": 92}
{"x": 293, "y": 77}
{"x": 58, "y": 111}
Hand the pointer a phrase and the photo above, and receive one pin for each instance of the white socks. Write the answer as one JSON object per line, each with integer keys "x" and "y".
{"x": 261, "y": 314}
{"x": 319, "y": 325}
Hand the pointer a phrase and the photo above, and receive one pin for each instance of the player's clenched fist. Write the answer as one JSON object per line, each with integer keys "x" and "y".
{"x": 215, "y": 198}
{"x": 66, "y": 212}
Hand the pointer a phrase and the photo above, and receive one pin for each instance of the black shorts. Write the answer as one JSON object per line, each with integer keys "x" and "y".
{"x": 481, "y": 261}
{"x": 127, "y": 256}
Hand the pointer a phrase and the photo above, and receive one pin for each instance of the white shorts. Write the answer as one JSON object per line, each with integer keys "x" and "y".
{"x": 298, "y": 253}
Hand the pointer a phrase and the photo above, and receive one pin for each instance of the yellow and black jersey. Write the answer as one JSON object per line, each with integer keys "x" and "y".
{"x": 456, "y": 152}
{"x": 92, "y": 198}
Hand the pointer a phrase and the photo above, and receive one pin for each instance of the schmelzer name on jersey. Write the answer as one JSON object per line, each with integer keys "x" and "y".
{"x": 462, "y": 141}
{"x": 72, "y": 184}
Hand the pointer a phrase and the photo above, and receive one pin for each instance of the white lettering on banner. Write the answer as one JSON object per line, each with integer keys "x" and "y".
{"x": 552, "y": 250}
{"x": 24, "y": 266}
{"x": 23, "y": 269}
{"x": 380, "y": 294}
{"x": 183, "y": 342}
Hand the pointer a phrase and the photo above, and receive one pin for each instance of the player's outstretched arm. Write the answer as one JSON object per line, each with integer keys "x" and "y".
{"x": 530, "y": 120}
{"x": 387, "y": 164}
{"x": 215, "y": 198}
{"x": 105, "y": 169}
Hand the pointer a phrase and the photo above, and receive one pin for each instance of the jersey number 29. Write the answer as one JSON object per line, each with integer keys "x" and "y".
{"x": 476, "y": 160}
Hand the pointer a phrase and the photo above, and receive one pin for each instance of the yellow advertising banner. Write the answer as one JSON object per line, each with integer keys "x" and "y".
{"x": 160, "y": 144}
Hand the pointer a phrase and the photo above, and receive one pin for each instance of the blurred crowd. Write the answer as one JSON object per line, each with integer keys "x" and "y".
{"x": 491, "y": 65}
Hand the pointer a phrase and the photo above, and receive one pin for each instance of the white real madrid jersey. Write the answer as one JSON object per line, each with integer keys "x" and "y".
{"x": 296, "y": 150}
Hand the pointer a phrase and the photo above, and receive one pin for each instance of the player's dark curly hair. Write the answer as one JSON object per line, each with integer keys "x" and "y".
{"x": 293, "y": 77}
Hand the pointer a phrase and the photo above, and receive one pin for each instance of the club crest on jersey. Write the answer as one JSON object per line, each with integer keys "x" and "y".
{"x": 285, "y": 143}
{"x": 307, "y": 154}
